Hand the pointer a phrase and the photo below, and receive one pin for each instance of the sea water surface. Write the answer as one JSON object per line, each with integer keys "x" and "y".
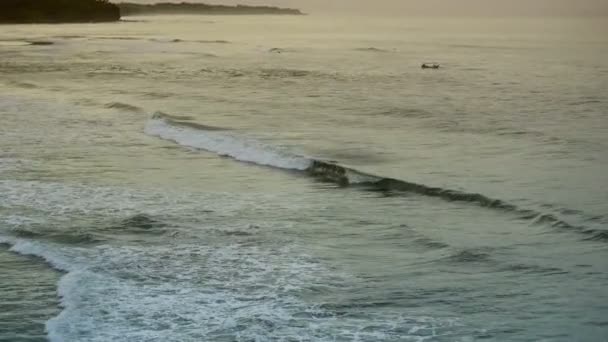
{"x": 303, "y": 179}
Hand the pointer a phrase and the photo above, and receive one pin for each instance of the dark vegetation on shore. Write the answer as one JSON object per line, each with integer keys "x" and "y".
{"x": 127, "y": 8}
{"x": 74, "y": 11}
{"x": 57, "y": 11}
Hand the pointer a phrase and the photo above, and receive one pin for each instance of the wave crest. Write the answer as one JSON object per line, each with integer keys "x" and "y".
{"x": 222, "y": 142}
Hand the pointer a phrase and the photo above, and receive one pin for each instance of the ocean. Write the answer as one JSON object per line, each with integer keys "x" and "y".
{"x": 281, "y": 178}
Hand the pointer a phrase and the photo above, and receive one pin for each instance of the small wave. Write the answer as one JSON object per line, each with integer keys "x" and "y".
{"x": 123, "y": 106}
{"x": 469, "y": 255}
{"x": 178, "y": 40}
{"x": 430, "y": 243}
{"x": 240, "y": 232}
{"x": 534, "y": 269}
{"x": 69, "y": 36}
{"x": 218, "y": 41}
{"x": 283, "y": 73}
{"x": 25, "y": 233}
{"x": 233, "y": 73}
{"x": 405, "y": 113}
{"x": 157, "y": 95}
{"x": 68, "y": 237}
{"x": 117, "y": 38}
{"x": 597, "y": 235}
{"x": 137, "y": 224}
{"x": 447, "y": 194}
{"x": 598, "y": 323}
{"x": 177, "y": 120}
{"x": 568, "y": 211}
{"x": 25, "y": 85}
{"x": 372, "y": 49}
{"x": 77, "y": 238}
{"x": 141, "y": 221}
{"x": 171, "y": 117}
{"x": 167, "y": 40}
{"x": 585, "y": 102}
{"x": 210, "y": 55}
{"x": 21, "y": 84}
{"x": 515, "y": 133}
{"x": 272, "y": 73}
{"x": 488, "y": 47}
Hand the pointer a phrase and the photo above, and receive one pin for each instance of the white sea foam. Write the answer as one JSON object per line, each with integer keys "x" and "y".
{"x": 225, "y": 143}
{"x": 180, "y": 290}
{"x": 192, "y": 292}
{"x": 204, "y": 293}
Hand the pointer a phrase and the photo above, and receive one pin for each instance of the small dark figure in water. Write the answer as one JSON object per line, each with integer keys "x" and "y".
{"x": 430, "y": 66}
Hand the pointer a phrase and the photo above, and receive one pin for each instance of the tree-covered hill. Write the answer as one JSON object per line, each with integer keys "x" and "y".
{"x": 57, "y": 11}
{"x": 200, "y": 8}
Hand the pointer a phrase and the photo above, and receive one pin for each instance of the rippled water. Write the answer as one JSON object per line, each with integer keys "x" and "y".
{"x": 303, "y": 179}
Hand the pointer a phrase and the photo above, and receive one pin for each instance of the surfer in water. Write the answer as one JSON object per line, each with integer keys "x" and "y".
{"x": 430, "y": 65}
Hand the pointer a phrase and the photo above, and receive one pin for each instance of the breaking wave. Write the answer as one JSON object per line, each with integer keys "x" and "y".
{"x": 222, "y": 142}
{"x": 227, "y": 143}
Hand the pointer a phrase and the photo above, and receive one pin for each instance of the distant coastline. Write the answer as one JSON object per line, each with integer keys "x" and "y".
{"x": 57, "y": 11}
{"x": 82, "y": 11}
{"x": 127, "y": 9}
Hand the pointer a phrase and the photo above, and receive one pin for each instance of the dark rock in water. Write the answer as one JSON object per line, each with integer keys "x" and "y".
{"x": 57, "y": 11}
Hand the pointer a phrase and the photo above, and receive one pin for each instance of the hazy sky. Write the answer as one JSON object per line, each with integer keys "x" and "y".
{"x": 431, "y": 7}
